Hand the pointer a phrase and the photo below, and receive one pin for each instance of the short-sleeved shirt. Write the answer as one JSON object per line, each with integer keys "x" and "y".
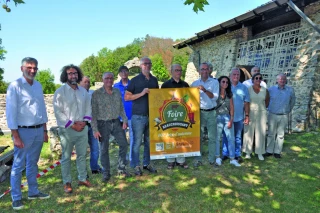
{"x": 137, "y": 84}
{"x": 127, "y": 104}
{"x": 212, "y": 85}
{"x": 240, "y": 95}
{"x": 173, "y": 84}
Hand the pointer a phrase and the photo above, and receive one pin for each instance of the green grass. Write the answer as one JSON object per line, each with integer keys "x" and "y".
{"x": 291, "y": 184}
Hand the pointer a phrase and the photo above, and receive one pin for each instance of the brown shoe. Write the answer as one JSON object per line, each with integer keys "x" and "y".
{"x": 85, "y": 183}
{"x": 67, "y": 188}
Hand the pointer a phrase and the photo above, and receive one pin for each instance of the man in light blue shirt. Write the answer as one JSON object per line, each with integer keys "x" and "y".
{"x": 26, "y": 117}
{"x": 241, "y": 102}
{"x": 209, "y": 91}
{"x": 282, "y": 100}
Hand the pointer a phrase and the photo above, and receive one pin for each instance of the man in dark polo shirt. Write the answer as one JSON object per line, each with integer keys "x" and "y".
{"x": 176, "y": 82}
{"x": 137, "y": 92}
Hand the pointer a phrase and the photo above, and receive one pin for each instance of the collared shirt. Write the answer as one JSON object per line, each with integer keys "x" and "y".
{"x": 127, "y": 104}
{"x": 281, "y": 100}
{"x": 71, "y": 105}
{"x": 140, "y": 106}
{"x": 171, "y": 83}
{"x": 106, "y": 106}
{"x": 212, "y": 85}
{"x": 248, "y": 83}
{"x": 240, "y": 96}
{"x": 25, "y": 104}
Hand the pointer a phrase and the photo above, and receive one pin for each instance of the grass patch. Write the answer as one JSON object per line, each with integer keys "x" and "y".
{"x": 291, "y": 184}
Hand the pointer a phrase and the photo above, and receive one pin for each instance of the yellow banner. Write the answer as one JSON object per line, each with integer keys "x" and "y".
{"x": 174, "y": 123}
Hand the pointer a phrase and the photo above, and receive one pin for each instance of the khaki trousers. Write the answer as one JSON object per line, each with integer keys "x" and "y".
{"x": 276, "y": 129}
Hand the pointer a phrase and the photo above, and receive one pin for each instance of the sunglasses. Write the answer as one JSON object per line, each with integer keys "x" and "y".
{"x": 225, "y": 82}
{"x": 258, "y": 78}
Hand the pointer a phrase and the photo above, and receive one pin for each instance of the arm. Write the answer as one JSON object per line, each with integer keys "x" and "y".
{"x": 215, "y": 91}
{"x": 122, "y": 111}
{"x": 247, "y": 112}
{"x": 230, "y": 123}
{"x": 267, "y": 101}
{"x": 87, "y": 115}
{"x": 128, "y": 96}
{"x": 207, "y": 92}
{"x": 58, "y": 107}
{"x": 95, "y": 111}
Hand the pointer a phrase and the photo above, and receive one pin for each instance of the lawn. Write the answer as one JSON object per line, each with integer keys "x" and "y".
{"x": 290, "y": 184}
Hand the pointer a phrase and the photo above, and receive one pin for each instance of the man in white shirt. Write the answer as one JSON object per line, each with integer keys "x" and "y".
{"x": 26, "y": 117}
{"x": 248, "y": 83}
{"x": 72, "y": 109}
{"x": 209, "y": 91}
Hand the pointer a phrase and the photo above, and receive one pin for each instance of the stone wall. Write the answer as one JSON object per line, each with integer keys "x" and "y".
{"x": 48, "y": 100}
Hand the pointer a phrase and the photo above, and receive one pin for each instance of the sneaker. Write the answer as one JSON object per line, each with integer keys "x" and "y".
{"x": 248, "y": 156}
{"x": 137, "y": 171}
{"x": 124, "y": 173}
{"x": 235, "y": 163}
{"x": 218, "y": 161}
{"x": 239, "y": 159}
{"x": 197, "y": 164}
{"x": 150, "y": 168}
{"x": 260, "y": 157}
{"x": 17, "y": 205}
{"x": 40, "y": 195}
{"x": 106, "y": 177}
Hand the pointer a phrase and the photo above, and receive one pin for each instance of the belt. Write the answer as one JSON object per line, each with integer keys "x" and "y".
{"x": 146, "y": 115}
{"x": 31, "y": 127}
{"x": 207, "y": 110}
{"x": 280, "y": 114}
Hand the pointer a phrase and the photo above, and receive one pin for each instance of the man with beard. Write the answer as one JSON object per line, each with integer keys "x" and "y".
{"x": 72, "y": 109}
{"x": 27, "y": 118}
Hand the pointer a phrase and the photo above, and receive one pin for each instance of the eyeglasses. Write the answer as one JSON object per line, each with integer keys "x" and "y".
{"x": 72, "y": 73}
{"x": 258, "y": 78}
{"x": 225, "y": 82}
{"x": 146, "y": 64}
{"x": 31, "y": 68}
{"x": 204, "y": 69}
{"x": 111, "y": 79}
{"x": 178, "y": 70}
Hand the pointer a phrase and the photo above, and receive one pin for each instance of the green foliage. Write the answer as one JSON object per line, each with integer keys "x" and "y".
{"x": 6, "y": 7}
{"x": 46, "y": 79}
{"x": 197, "y": 4}
{"x": 158, "y": 68}
{"x": 57, "y": 86}
{"x": 3, "y": 87}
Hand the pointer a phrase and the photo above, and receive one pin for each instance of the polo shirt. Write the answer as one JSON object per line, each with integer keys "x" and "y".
{"x": 171, "y": 83}
{"x": 138, "y": 83}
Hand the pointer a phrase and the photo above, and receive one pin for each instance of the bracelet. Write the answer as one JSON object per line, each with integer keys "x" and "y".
{"x": 45, "y": 130}
{"x": 205, "y": 90}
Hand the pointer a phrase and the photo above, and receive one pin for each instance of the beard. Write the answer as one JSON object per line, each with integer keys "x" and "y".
{"x": 30, "y": 77}
{"x": 73, "y": 81}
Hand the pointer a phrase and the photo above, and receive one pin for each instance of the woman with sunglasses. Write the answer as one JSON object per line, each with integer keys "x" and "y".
{"x": 225, "y": 112}
{"x": 256, "y": 130}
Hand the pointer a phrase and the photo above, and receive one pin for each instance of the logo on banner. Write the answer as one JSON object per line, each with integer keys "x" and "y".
{"x": 175, "y": 113}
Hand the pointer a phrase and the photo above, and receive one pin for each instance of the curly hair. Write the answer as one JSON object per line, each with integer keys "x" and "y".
{"x": 228, "y": 89}
{"x": 64, "y": 74}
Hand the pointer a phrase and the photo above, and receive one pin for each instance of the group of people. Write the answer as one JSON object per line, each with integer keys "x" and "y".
{"x": 227, "y": 108}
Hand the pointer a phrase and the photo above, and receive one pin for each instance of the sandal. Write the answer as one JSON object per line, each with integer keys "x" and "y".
{"x": 183, "y": 165}
{"x": 170, "y": 165}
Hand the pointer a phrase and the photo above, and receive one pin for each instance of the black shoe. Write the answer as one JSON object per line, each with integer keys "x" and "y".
{"x": 224, "y": 158}
{"x": 106, "y": 178}
{"x": 267, "y": 154}
{"x": 40, "y": 195}
{"x": 277, "y": 155}
{"x": 99, "y": 171}
{"x": 239, "y": 159}
{"x": 197, "y": 164}
{"x": 137, "y": 171}
{"x": 124, "y": 173}
{"x": 17, "y": 205}
{"x": 150, "y": 168}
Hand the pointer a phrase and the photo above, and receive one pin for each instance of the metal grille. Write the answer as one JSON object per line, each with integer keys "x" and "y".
{"x": 273, "y": 54}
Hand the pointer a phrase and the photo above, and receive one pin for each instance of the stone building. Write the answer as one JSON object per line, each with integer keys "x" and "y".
{"x": 275, "y": 38}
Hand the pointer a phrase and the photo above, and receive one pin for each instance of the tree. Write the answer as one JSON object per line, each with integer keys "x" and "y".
{"x": 91, "y": 68}
{"x": 3, "y": 84}
{"x": 158, "y": 68}
{"x": 6, "y": 7}
{"x": 46, "y": 79}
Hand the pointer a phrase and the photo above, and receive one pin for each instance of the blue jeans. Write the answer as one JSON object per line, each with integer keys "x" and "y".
{"x": 94, "y": 150}
{"x": 238, "y": 127}
{"x": 222, "y": 126}
{"x": 131, "y": 139}
{"x": 26, "y": 157}
{"x": 140, "y": 127}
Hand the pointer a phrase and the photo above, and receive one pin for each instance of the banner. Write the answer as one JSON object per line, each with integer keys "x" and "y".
{"x": 174, "y": 123}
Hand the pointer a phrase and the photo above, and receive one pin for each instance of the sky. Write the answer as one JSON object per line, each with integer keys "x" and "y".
{"x": 58, "y": 33}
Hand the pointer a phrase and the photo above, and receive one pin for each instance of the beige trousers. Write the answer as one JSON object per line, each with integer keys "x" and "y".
{"x": 255, "y": 131}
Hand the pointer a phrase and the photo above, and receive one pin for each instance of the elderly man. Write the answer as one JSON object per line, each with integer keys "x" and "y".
{"x": 122, "y": 85}
{"x": 282, "y": 100}
{"x": 107, "y": 106}
{"x": 176, "y": 82}
{"x": 241, "y": 102}
{"x": 93, "y": 142}
{"x": 137, "y": 92}
{"x": 209, "y": 91}
{"x": 73, "y": 111}
{"x": 210, "y": 70}
{"x": 27, "y": 118}
{"x": 248, "y": 83}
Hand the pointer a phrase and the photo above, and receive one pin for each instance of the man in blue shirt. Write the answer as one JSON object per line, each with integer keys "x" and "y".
{"x": 27, "y": 118}
{"x": 282, "y": 100}
{"x": 241, "y": 102}
{"x": 122, "y": 85}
